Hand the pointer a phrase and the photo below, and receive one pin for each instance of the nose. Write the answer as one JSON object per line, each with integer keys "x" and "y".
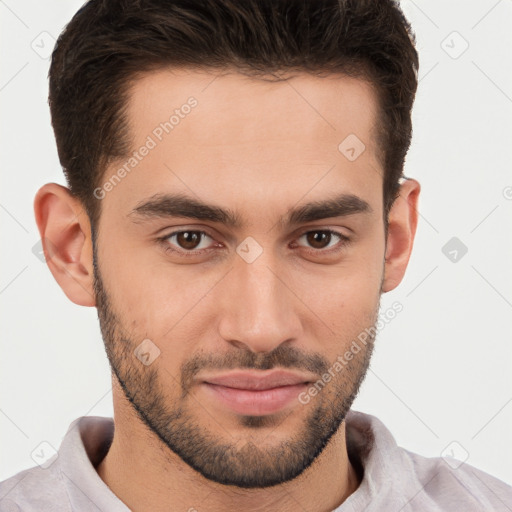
{"x": 258, "y": 307}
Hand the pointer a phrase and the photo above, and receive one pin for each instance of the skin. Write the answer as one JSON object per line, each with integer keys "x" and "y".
{"x": 258, "y": 149}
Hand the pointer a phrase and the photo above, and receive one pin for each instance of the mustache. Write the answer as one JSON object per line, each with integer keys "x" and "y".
{"x": 283, "y": 356}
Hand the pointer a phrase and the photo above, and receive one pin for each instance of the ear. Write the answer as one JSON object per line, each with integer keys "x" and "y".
{"x": 66, "y": 238}
{"x": 403, "y": 219}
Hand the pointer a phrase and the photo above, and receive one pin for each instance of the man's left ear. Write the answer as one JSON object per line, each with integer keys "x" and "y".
{"x": 403, "y": 219}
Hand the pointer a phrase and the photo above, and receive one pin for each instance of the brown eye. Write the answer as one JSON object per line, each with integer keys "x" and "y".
{"x": 188, "y": 240}
{"x": 322, "y": 239}
{"x": 318, "y": 239}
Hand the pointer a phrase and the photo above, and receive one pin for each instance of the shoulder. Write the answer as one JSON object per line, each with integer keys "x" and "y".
{"x": 410, "y": 481}
{"x": 34, "y": 489}
{"x": 451, "y": 484}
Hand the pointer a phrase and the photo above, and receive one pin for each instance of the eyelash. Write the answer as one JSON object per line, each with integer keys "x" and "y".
{"x": 344, "y": 241}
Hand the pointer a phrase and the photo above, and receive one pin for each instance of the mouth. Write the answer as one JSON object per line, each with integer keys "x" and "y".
{"x": 256, "y": 393}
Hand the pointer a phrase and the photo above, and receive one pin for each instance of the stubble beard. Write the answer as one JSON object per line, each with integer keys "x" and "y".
{"x": 237, "y": 462}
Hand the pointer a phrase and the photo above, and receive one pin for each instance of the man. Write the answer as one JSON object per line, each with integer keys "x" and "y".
{"x": 236, "y": 208}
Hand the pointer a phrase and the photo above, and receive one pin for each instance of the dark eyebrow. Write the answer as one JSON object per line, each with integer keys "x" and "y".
{"x": 179, "y": 205}
{"x": 340, "y": 206}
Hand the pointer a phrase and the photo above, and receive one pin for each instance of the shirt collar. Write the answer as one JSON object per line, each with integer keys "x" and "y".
{"x": 370, "y": 446}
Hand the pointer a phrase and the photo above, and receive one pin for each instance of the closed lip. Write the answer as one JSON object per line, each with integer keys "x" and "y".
{"x": 258, "y": 380}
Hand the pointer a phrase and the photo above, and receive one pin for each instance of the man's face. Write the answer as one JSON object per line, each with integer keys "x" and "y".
{"x": 213, "y": 329}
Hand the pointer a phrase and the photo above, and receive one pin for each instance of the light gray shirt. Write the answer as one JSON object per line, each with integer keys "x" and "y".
{"x": 394, "y": 480}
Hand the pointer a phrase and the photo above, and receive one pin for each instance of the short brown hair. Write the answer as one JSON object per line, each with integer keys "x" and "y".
{"x": 109, "y": 43}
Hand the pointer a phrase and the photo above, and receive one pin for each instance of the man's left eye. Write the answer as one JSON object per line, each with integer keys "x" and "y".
{"x": 323, "y": 239}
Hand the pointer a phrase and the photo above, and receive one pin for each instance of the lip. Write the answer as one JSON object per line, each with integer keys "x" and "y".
{"x": 257, "y": 380}
{"x": 256, "y": 393}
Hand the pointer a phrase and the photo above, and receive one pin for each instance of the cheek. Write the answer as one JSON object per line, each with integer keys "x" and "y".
{"x": 160, "y": 301}
{"x": 345, "y": 299}
{"x": 348, "y": 309}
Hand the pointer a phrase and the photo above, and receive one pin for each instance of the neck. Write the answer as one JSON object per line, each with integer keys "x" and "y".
{"x": 146, "y": 475}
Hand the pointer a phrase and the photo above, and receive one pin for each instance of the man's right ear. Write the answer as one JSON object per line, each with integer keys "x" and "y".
{"x": 65, "y": 232}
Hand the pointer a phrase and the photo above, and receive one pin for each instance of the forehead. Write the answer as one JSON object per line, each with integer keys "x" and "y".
{"x": 220, "y": 135}
{"x": 234, "y": 108}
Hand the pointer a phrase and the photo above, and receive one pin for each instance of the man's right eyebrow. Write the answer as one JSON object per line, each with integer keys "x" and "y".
{"x": 179, "y": 205}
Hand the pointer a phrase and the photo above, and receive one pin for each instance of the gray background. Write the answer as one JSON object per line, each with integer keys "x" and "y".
{"x": 440, "y": 376}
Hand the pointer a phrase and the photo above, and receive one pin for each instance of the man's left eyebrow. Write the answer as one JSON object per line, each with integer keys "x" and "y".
{"x": 339, "y": 206}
